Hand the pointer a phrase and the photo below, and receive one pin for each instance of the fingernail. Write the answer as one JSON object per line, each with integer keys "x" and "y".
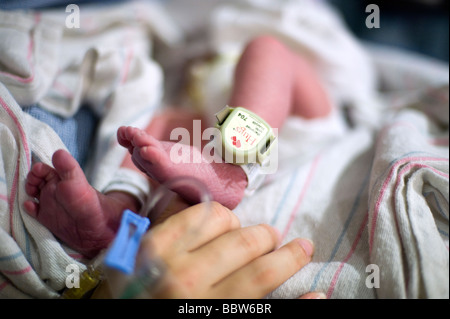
{"x": 314, "y": 295}
{"x": 307, "y": 246}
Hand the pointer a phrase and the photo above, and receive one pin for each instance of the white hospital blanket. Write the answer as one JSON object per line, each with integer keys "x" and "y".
{"x": 373, "y": 197}
{"x": 367, "y": 199}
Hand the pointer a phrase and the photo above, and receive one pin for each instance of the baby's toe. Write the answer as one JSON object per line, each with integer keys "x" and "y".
{"x": 31, "y": 208}
{"x": 142, "y": 139}
{"x": 31, "y": 189}
{"x": 40, "y": 171}
{"x": 39, "y": 174}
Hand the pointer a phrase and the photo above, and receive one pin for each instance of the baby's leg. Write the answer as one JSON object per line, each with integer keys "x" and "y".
{"x": 70, "y": 208}
{"x": 269, "y": 80}
{"x": 273, "y": 82}
{"x": 162, "y": 124}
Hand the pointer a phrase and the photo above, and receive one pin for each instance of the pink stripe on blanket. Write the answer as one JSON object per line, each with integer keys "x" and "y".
{"x": 405, "y": 169}
{"x": 126, "y": 69}
{"x": 19, "y": 127}
{"x": 385, "y": 187}
{"x": 302, "y": 195}
{"x": 64, "y": 90}
{"x": 15, "y": 182}
{"x": 349, "y": 255}
{"x": 17, "y": 272}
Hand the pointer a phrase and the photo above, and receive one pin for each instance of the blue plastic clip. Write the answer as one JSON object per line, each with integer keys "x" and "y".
{"x": 122, "y": 254}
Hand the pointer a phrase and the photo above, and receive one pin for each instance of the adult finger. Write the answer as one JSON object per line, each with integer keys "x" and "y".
{"x": 265, "y": 273}
{"x": 190, "y": 228}
{"x": 224, "y": 255}
{"x": 314, "y": 295}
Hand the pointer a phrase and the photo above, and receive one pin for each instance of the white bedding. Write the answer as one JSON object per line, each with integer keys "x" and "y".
{"x": 372, "y": 196}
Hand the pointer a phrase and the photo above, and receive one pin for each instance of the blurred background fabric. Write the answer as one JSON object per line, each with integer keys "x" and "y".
{"x": 34, "y": 4}
{"x": 420, "y": 26}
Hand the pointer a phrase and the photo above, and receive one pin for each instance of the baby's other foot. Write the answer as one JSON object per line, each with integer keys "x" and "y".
{"x": 69, "y": 206}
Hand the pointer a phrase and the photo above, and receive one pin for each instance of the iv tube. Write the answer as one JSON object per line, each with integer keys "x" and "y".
{"x": 151, "y": 273}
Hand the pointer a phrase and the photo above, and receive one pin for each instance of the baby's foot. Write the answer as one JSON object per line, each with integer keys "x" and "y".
{"x": 83, "y": 218}
{"x": 225, "y": 182}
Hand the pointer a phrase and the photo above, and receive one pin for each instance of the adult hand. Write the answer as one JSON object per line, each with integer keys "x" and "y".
{"x": 209, "y": 255}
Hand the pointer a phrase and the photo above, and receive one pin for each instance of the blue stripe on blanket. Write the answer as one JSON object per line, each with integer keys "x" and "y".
{"x": 283, "y": 199}
{"x": 11, "y": 257}
{"x": 344, "y": 230}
